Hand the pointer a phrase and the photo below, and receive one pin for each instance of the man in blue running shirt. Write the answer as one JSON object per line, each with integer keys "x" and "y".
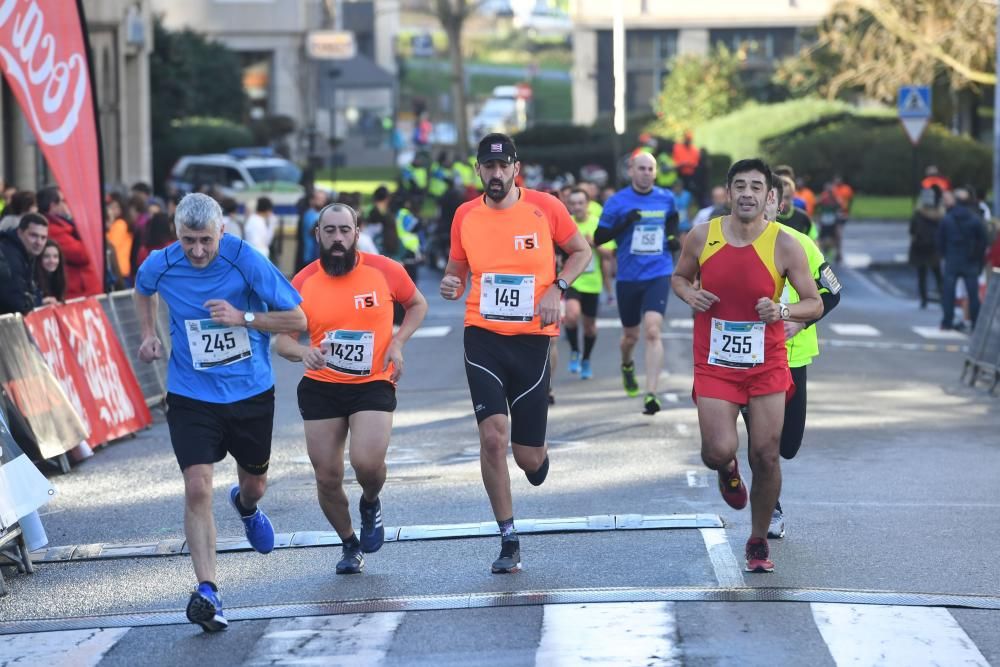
{"x": 225, "y": 300}
{"x": 643, "y": 221}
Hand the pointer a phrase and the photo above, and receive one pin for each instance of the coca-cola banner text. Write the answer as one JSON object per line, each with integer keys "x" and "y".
{"x": 45, "y": 61}
{"x": 109, "y": 392}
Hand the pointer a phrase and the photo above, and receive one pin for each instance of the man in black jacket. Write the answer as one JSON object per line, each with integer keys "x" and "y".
{"x": 18, "y": 249}
{"x": 961, "y": 240}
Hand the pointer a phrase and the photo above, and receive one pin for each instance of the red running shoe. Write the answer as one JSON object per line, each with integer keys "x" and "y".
{"x": 758, "y": 555}
{"x": 733, "y": 490}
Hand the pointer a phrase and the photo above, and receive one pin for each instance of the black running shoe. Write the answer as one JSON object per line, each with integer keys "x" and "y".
{"x": 205, "y": 609}
{"x": 510, "y": 558}
{"x": 628, "y": 379}
{"x": 651, "y": 405}
{"x": 372, "y": 531}
{"x": 351, "y": 561}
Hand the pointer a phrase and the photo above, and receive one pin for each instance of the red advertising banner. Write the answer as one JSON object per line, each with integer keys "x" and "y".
{"x": 44, "y": 57}
{"x": 109, "y": 392}
{"x": 43, "y": 325}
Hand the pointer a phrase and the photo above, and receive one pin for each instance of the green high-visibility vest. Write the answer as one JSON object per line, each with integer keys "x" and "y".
{"x": 666, "y": 170}
{"x": 408, "y": 239}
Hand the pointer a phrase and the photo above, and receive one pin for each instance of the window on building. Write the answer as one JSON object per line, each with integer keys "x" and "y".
{"x": 763, "y": 45}
{"x": 647, "y": 62}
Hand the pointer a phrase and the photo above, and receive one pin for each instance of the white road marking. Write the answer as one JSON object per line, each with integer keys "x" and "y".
{"x": 609, "y": 323}
{"x": 728, "y": 571}
{"x": 891, "y": 635}
{"x": 636, "y": 633}
{"x": 72, "y": 648}
{"x": 671, "y": 398}
{"x": 854, "y": 330}
{"x": 697, "y": 478}
{"x": 431, "y": 332}
{"x": 934, "y": 333}
{"x": 349, "y": 640}
{"x": 857, "y": 260}
{"x": 685, "y": 323}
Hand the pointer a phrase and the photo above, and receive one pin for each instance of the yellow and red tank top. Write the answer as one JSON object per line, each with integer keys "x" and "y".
{"x": 739, "y": 276}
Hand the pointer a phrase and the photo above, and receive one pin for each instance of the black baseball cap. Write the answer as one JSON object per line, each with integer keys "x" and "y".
{"x": 496, "y": 146}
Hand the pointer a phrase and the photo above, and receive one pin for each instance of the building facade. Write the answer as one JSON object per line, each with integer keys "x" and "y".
{"x": 336, "y": 112}
{"x": 120, "y": 34}
{"x": 658, "y": 30}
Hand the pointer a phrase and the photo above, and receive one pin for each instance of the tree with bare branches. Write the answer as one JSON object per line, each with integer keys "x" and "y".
{"x": 452, "y": 15}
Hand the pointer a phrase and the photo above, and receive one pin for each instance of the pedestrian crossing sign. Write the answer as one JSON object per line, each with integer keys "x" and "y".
{"x": 914, "y": 107}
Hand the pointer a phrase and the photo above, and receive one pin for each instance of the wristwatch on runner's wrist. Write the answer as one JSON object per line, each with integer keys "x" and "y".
{"x": 248, "y": 317}
{"x": 562, "y": 284}
{"x": 783, "y": 310}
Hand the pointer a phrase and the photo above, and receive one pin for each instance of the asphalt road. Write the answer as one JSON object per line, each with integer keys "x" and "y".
{"x": 890, "y": 556}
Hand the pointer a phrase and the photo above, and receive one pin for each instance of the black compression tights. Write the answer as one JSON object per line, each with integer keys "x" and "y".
{"x": 795, "y": 417}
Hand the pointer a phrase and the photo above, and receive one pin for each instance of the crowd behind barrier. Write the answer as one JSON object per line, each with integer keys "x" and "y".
{"x": 983, "y": 357}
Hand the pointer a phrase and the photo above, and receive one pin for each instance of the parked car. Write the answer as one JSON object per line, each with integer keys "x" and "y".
{"x": 235, "y": 172}
{"x": 543, "y": 22}
{"x": 507, "y": 110}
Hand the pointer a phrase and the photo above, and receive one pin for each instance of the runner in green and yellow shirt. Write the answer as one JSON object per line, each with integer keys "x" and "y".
{"x": 584, "y": 294}
{"x": 802, "y": 341}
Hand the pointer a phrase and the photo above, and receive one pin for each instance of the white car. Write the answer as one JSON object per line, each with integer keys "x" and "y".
{"x": 239, "y": 170}
{"x": 543, "y": 22}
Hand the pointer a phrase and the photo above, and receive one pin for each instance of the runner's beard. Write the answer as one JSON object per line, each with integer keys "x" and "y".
{"x": 338, "y": 265}
{"x": 503, "y": 190}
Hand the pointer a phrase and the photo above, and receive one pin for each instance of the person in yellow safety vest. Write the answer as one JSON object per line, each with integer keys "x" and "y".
{"x": 442, "y": 176}
{"x": 416, "y": 175}
{"x": 476, "y": 181}
{"x": 666, "y": 169}
{"x": 407, "y": 226}
{"x": 465, "y": 173}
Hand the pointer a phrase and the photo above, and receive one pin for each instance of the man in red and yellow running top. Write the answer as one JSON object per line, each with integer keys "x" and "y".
{"x": 352, "y": 362}
{"x": 505, "y": 240}
{"x": 739, "y": 340}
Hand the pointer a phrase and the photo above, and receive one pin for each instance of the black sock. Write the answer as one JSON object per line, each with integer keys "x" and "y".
{"x": 243, "y": 509}
{"x": 210, "y": 584}
{"x": 507, "y": 531}
{"x": 588, "y": 345}
{"x": 365, "y": 505}
{"x": 536, "y": 478}
{"x": 352, "y": 542}
{"x": 572, "y": 337}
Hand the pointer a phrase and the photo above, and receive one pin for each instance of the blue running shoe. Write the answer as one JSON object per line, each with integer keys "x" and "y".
{"x": 205, "y": 609}
{"x": 372, "y": 532}
{"x": 574, "y": 362}
{"x": 585, "y": 371}
{"x": 258, "y": 527}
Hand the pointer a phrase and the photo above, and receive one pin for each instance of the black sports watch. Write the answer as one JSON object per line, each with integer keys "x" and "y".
{"x": 562, "y": 284}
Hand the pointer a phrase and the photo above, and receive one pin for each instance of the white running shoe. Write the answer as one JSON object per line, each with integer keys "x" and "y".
{"x": 776, "y": 530}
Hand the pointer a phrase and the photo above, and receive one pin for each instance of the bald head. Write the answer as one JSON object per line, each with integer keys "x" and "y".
{"x": 642, "y": 171}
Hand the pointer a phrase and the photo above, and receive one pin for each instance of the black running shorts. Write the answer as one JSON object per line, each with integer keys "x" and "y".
{"x": 588, "y": 301}
{"x": 510, "y": 372}
{"x": 334, "y": 400}
{"x": 203, "y": 432}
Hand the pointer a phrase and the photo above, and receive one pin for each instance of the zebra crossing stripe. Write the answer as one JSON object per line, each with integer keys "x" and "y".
{"x": 894, "y": 635}
{"x": 610, "y": 633}
{"x": 76, "y": 648}
{"x": 854, "y": 330}
{"x": 350, "y": 640}
{"x": 934, "y": 333}
{"x": 727, "y": 569}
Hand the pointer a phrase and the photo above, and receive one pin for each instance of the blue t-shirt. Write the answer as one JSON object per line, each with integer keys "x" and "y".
{"x": 655, "y": 206}
{"x": 243, "y": 277}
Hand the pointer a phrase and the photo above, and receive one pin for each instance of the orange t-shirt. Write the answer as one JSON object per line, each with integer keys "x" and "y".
{"x": 511, "y": 258}
{"x": 809, "y": 197}
{"x": 353, "y": 312}
{"x": 844, "y": 194}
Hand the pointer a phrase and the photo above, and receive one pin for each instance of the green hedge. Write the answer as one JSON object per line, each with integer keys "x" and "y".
{"x": 875, "y": 156}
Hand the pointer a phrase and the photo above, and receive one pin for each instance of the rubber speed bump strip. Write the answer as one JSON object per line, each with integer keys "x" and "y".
{"x": 324, "y": 538}
{"x": 515, "y": 599}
